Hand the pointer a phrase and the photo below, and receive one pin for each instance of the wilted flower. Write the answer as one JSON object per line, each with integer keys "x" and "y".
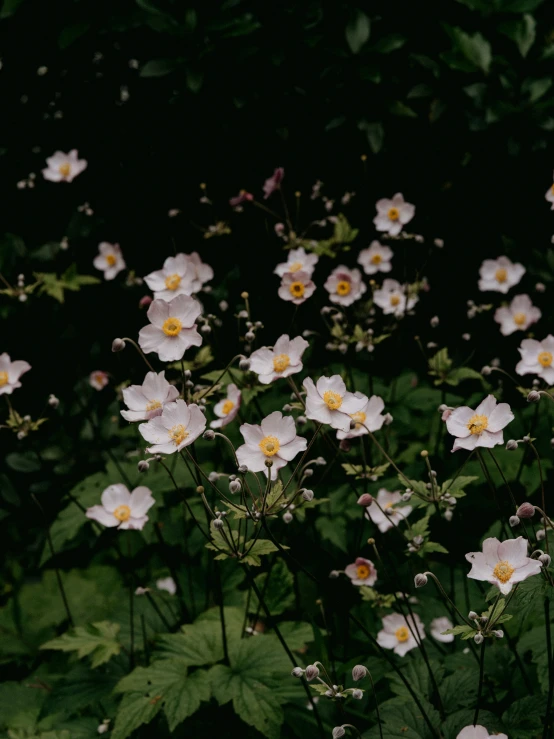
{"x": 297, "y": 261}
{"x": 275, "y": 439}
{"x": 344, "y": 285}
{"x": 148, "y": 400}
{"x": 397, "y": 633}
{"x": 376, "y": 258}
{"x": 109, "y": 260}
{"x": 392, "y": 298}
{"x": 390, "y": 515}
{"x": 393, "y": 214}
{"x": 168, "y": 584}
{"x": 503, "y": 563}
{"x": 121, "y": 508}
{"x": 283, "y": 360}
{"x": 368, "y": 417}
{"x": 296, "y": 287}
{"x": 64, "y": 167}
{"x": 481, "y": 427}
{"x": 10, "y": 372}
{"x": 273, "y": 183}
{"x": 518, "y": 316}
{"x": 361, "y": 572}
{"x": 500, "y": 274}
{"x": 172, "y": 330}
{"x": 98, "y": 379}
{"x": 329, "y": 402}
{"x": 438, "y": 625}
{"x": 226, "y": 410}
{"x": 537, "y": 358}
{"x": 178, "y": 426}
{"x": 183, "y": 274}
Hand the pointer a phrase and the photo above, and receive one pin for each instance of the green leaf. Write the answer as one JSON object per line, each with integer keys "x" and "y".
{"x": 70, "y": 34}
{"x": 98, "y": 640}
{"x": 259, "y": 549}
{"x": 20, "y": 706}
{"x": 476, "y": 49}
{"x": 158, "y": 67}
{"x": 456, "y": 376}
{"x": 9, "y": 7}
{"x": 277, "y": 587}
{"x": 522, "y": 32}
{"x": 357, "y": 31}
{"x": 196, "y": 644}
{"x": 23, "y": 461}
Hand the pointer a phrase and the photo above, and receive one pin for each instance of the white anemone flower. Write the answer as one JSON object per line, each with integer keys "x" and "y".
{"x": 549, "y": 196}
{"x": 438, "y": 625}
{"x": 376, "y": 258}
{"x": 499, "y": 274}
{"x": 478, "y": 732}
{"x": 10, "y": 372}
{"x": 275, "y": 439}
{"x": 344, "y": 285}
{"x": 503, "y": 563}
{"x": 177, "y": 427}
{"x": 121, "y": 508}
{"x": 168, "y": 584}
{"x": 283, "y": 360}
{"x": 172, "y": 330}
{"x": 368, "y": 417}
{"x": 393, "y": 214}
{"x": 147, "y": 401}
{"x": 392, "y": 298}
{"x": 518, "y": 316}
{"x": 183, "y": 274}
{"x": 298, "y": 260}
{"x": 383, "y": 511}
{"x": 296, "y": 287}
{"x": 328, "y": 401}
{"x": 361, "y": 572}
{"x": 480, "y": 427}
{"x": 109, "y": 260}
{"x": 98, "y": 379}
{"x": 227, "y": 409}
{"x": 399, "y": 633}
{"x": 537, "y": 358}
{"x": 64, "y": 167}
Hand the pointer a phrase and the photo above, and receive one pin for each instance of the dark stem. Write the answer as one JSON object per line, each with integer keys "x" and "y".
{"x": 222, "y": 614}
{"x": 480, "y": 688}
{"x": 546, "y": 729}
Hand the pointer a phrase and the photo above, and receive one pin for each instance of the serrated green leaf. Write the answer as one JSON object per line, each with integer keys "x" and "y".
{"x": 98, "y": 640}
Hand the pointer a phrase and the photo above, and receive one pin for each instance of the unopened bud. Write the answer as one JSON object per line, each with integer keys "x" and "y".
{"x": 308, "y": 472}
{"x": 311, "y": 672}
{"x": 235, "y": 486}
{"x": 498, "y": 633}
{"x": 345, "y": 445}
{"x": 514, "y": 521}
{"x": 418, "y": 540}
{"x": 358, "y": 672}
{"x": 297, "y": 672}
{"x": 200, "y": 490}
{"x": 365, "y": 500}
{"x": 53, "y": 401}
{"x": 243, "y": 469}
{"x": 213, "y": 476}
{"x": 479, "y": 638}
{"x": 545, "y": 560}
{"x": 244, "y": 295}
{"x": 334, "y": 574}
{"x": 143, "y": 466}
{"x": 358, "y": 694}
{"x": 486, "y": 370}
{"x": 308, "y": 495}
{"x": 250, "y": 336}
{"x": 218, "y": 523}
{"x": 406, "y": 496}
{"x": 244, "y": 364}
{"x": 268, "y": 463}
{"x": 287, "y": 516}
{"x": 472, "y": 615}
{"x": 287, "y": 408}
{"x": 526, "y": 510}
{"x": 420, "y": 580}
{"x": 387, "y": 419}
{"x": 533, "y": 397}
{"x": 424, "y": 453}
{"x": 434, "y": 321}
{"x": 511, "y": 445}
{"x": 209, "y": 435}
{"x": 118, "y": 345}
{"x": 541, "y": 533}
{"x": 338, "y": 731}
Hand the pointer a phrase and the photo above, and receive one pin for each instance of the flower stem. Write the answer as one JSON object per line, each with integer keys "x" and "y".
{"x": 480, "y": 687}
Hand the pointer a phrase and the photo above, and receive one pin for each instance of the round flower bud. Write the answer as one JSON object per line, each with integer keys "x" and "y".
{"x": 145, "y": 301}
{"x": 486, "y": 370}
{"x": 297, "y": 672}
{"x": 358, "y": 673}
{"x": 53, "y": 401}
{"x": 268, "y": 463}
{"x": 218, "y": 523}
{"x": 514, "y": 521}
{"x": 498, "y": 633}
{"x": 434, "y": 321}
{"x": 545, "y": 560}
{"x": 541, "y": 533}
{"x": 406, "y": 496}
{"x": 143, "y": 466}
{"x": 424, "y": 453}
{"x": 243, "y": 469}
{"x": 311, "y": 672}
{"x": 308, "y": 472}
{"x": 287, "y": 516}
{"x": 365, "y": 500}
{"x": 235, "y": 486}
{"x": 418, "y": 540}
{"x": 472, "y": 615}
{"x": 213, "y": 476}
{"x": 479, "y": 638}
{"x": 345, "y": 445}
{"x": 388, "y": 419}
{"x": 442, "y": 408}
{"x": 308, "y": 495}
{"x": 420, "y": 580}
{"x": 526, "y": 510}
{"x": 338, "y": 731}
{"x": 244, "y": 295}
{"x": 533, "y": 397}
{"x": 334, "y": 574}
{"x": 511, "y": 445}
{"x": 287, "y": 408}
{"x": 244, "y": 364}
{"x": 118, "y": 345}
{"x": 250, "y": 336}
{"x": 209, "y": 435}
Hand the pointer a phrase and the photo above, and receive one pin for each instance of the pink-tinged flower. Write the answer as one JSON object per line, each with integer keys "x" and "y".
{"x": 10, "y": 372}
{"x": 121, "y": 508}
{"x": 385, "y": 515}
{"x": 537, "y": 358}
{"x": 518, "y": 316}
{"x": 172, "y": 329}
{"x": 368, "y": 417}
{"x": 147, "y": 401}
{"x": 64, "y": 167}
{"x": 145, "y": 301}
{"x": 275, "y": 439}
{"x": 344, "y": 285}
{"x": 242, "y": 197}
{"x": 393, "y": 214}
{"x": 399, "y": 633}
{"x": 480, "y": 427}
{"x": 98, "y": 379}
{"x": 549, "y": 196}
{"x": 298, "y": 260}
{"x": 283, "y": 360}
{"x": 226, "y": 410}
{"x": 438, "y": 626}
{"x": 361, "y": 572}
{"x": 330, "y": 402}
{"x": 178, "y": 426}
{"x": 109, "y": 260}
{"x": 274, "y": 182}
{"x": 499, "y": 274}
{"x": 183, "y": 274}
{"x": 503, "y": 563}
{"x": 392, "y": 298}
{"x": 296, "y": 287}
{"x": 168, "y": 584}
{"x": 478, "y": 732}
{"x": 376, "y": 258}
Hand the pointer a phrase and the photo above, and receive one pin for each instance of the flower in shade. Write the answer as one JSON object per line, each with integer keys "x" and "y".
{"x": 64, "y": 167}
{"x": 368, "y": 417}
{"x": 177, "y": 427}
{"x": 549, "y": 196}
{"x": 478, "y": 732}
{"x": 148, "y": 400}
{"x": 499, "y": 274}
{"x": 273, "y": 183}
{"x": 344, "y": 285}
{"x": 283, "y": 360}
{"x": 10, "y": 372}
{"x": 226, "y": 410}
{"x": 537, "y": 358}
{"x": 172, "y": 328}
{"x": 438, "y": 626}
{"x": 480, "y": 427}
{"x": 183, "y": 274}
{"x": 392, "y": 298}
{"x": 109, "y": 260}
{"x": 517, "y": 316}
{"x": 503, "y": 563}
{"x": 275, "y": 440}
{"x": 242, "y": 197}
{"x": 297, "y": 261}
{"x": 393, "y": 214}
{"x": 399, "y": 633}
{"x": 98, "y": 379}
{"x": 361, "y": 572}
{"x": 296, "y": 286}
{"x": 383, "y": 511}
{"x": 376, "y": 258}
{"x": 168, "y": 584}
{"x": 121, "y": 508}
{"x": 328, "y": 401}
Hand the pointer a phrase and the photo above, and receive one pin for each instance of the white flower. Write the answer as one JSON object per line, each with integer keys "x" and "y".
{"x": 389, "y": 516}
{"x": 226, "y": 410}
{"x": 369, "y": 416}
{"x": 283, "y": 360}
{"x": 549, "y": 196}
{"x": 392, "y": 298}
{"x": 361, "y": 572}
{"x": 393, "y": 214}
{"x": 480, "y": 427}
{"x": 376, "y": 258}
{"x": 296, "y": 286}
{"x": 297, "y": 261}
{"x": 328, "y": 401}
{"x": 121, "y": 508}
{"x": 518, "y": 316}
{"x": 109, "y": 260}
{"x": 499, "y": 274}
{"x": 398, "y": 633}
{"x": 183, "y": 274}
{"x": 98, "y": 379}
{"x": 503, "y": 563}
{"x": 148, "y": 400}
{"x": 10, "y": 372}
{"x": 64, "y": 167}
{"x": 178, "y": 426}
{"x": 478, "y": 732}
{"x": 345, "y": 285}
{"x": 537, "y": 358}
{"x": 167, "y": 584}
{"x": 438, "y": 625}
{"x": 275, "y": 439}
{"x": 172, "y": 330}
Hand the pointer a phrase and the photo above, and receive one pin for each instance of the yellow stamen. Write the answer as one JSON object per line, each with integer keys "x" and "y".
{"x": 332, "y": 399}
{"x": 362, "y": 572}
{"x": 552, "y": 189}
{"x": 3, "y": 379}
{"x": 64, "y": 169}
{"x": 343, "y": 287}
{"x": 110, "y": 259}
{"x": 122, "y": 513}
{"x": 545, "y": 358}
{"x": 295, "y": 267}
{"x": 503, "y": 571}
{"x": 227, "y": 407}
{"x": 477, "y": 424}
{"x": 297, "y": 289}
{"x": 501, "y": 275}
{"x": 172, "y": 326}
{"x": 172, "y": 282}
{"x": 359, "y": 417}
{"x": 519, "y": 319}
{"x": 153, "y": 405}
{"x": 402, "y": 634}
{"x": 178, "y": 433}
{"x": 376, "y": 259}
{"x": 387, "y": 505}
{"x": 393, "y": 214}
{"x": 270, "y": 445}
{"x": 281, "y": 362}
{"x": 394, "y": 300}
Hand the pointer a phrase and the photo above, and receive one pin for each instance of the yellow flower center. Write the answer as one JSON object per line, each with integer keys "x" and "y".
{"x": 362, "y": 572}
{"x": 519, "y": 319}
{"x": 122, "y": 513}
{"x": 387, "y": 506}
{"x": 64, "y": 169}
{"x": 545, "y": 358}
{"x": 3, "y": 379}
{"x": 99, "y": 377}
{"x": 402, "y": 634}
{"x": 178, "y": 433}
{"x": 359, "y": 417}
{"x": 172, "y": 326}
{"x": 153, "y": 405}
{"x": 343, "y": 287}
{"x": 376, "y": 259}
{"x": 393, "y": 214}
{"x": 477, "y": 424}
{"x": 281, "y": 362}
{"x": 333, "y": 400}
{"x": 503, "y": 571}
{"x": 110, "y": 259}
{"x": 227, "y": 407}
{"x": 172, "y": 282}
{"x": 270, "y": 445}
{"x": 501, "y": 275}
{"x": 394, "y": 300}
{"x": 297, "y": 289}
{"x": 295, "y": 267}
{"x": 552, "y": 189}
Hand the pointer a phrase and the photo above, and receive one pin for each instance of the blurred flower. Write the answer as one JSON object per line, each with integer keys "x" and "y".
{"x": 438, "y": 625}
{"x": 148, "y": 400}
{"x": 345, "y": 285}
{"x": 397, "y": 633}
{"x": 361, "y": 572}
{"x": 109, "y": 260}
{"x": 183, "y": 274}
{"x": 390, "y": 516}
{"x": 172, "y": 328}
{"x": 503, "y": 563}
{"x": 297, "y": 261}
{"x": 226, "y": 410}
{"x": 283, "y": 360}
{"x": 329, "y": 402}
{"x": 481, "y": 427}
{"x": 392, "y": 298}
{"x": 274, "y": 440}
{"x": 478, "y": 732}
{"x": 499, "y": 274}
{"x": 368, "y": 417}
{"x": 376, "y": 258}
{"x": 537, "y": 358}
{"x": 518, "y": 316}
{"x": 274, "y": 182}
{"x": 393, "y": 214}
{"x": 296, "y": 286}
{"x": 145, "y": 301}
{"x": 242, "y": 197}
{"x": 549, "y": 196}
{"x": 98, "y": 379}
{"x": 64, "y": 167}
{"x": 168, "y": 584}
{"x": 178, "y": 426}
{"x": 10, "y": 372}
{"x": 121, "y": 508}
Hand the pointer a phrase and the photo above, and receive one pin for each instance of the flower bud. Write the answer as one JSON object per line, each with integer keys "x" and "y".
{"x": 486, "y": 370}
{"x": 235, "y": 486}
{"x": 358, "y": 694}
{"x": 514, "y": 521}
{"x": 406, "y": 496}
{"x": 287, "y": 408}
{"x": 498, "y": 633}
{"x": 53, "y": 401}
{"x": 388, "y": 419}
{"x": 287, "y": 516}
{"x": 545, "y": 560}
{"x": 418, "y": 540}
{"x": 526, "y": 510}
{"x": 511, "y": 445}
{"x": 118, "y": 345}
{"x": 338, "y": 731}
{"x": 420, "y": 580}
{"x": 209, "y": 435}
{"x": 345, "y": 445}
{"x": 268, "y": 463}
{"x": 541, "y": 533}
{"x": 448, "y": 515}
{"x": 311, "y": 672}
{"x": 308, "y": 472}
{"x": 358, "y": 672}
{"x": 533, "y": 397}
{"x": 472, "y": 615}
{"x": 479, "y": 638}
{"x": 424, "y": 453}
{"x": 365, "y": 500}
{"x": 218, "y": 523}
{"x": 250, "y": 336}
{"x": 434, "y": 321}
{"x": 308, "y": 495}
{"x": 243, "y": 469}
{"x": 334, "y": 574}
{"x": 213, "y": 476}
{"x": 143, "y": 466}
{"x": 145, "y": 301}
{"x": 244, "y": 364}
{"x": 297, "y": 672}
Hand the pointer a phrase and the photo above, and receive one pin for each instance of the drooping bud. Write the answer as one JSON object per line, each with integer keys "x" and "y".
{"x": 53, "y": 402}
{"x": 213, "y": 476}
{"x": 406, "y": 496}
{"x": 243, "y": 469}
{"x": 358, "y": 672}
{"x": 308, "y": 495}
{"x": 514, "y": 521}
{"x": 472, "y": 615}
{"x": 287, "y": 516}
{"x": 338, "y": 731}
{"x": 235, "y": 486}
{"x": 526, "y": 510}
{"x": 118, "y": 345}
{"x": 365, "y": 500}
{"x": 479, "y": 638}
{"x": 387, "y": 419}
{"x": 311, "y": 672}
{"x": 511, "y": 445}
{"x": 244, "y": 364}
{"x": 345, "y": 445}
{"x": 209, "y": 435}
{"x": 486, "y": 370}
{"x": 541, "y": 533}
{"x": 143, "y": 466}
{"x": 334, "y": 574}
{"x": 297, "y": 672}
{"x": 250, "y": 336}
{"x": 308, "y": 472}
{"x": 420, "y": 580}
{"x": 498, "y": 633}
{"x": 358, "y": 694}
{"x": 545, "y": 560}
{"x": 533, "y": 397}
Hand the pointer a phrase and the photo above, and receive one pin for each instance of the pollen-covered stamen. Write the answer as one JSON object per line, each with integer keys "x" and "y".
{"x": 501, "y": 275}
{"x": 363, "y": 572}
{"x": 122, "y": 513}
{"x": 270, "y": 445}
{"x": 477, "y": 424}
{"x": 519, "y": 319}
{"x": 332, "y": 399}
{"x": 402, "y": 634}
{"x": 297, "y": 289}
{"x": 359, "y": 418}
{"x": 545, "y": 359}
{"x": 3, "y": 379}
{"x": 393, "y": 214}
{"x": 503, "y": 571}
{"x": 394, "y": 300}
{"x": 172, "y": 326}
{"x": 178, "y": 433}
{"x": 343, "y": 287}
{"x": 153, "y": 405}
{"x": 110, "y": 259}
{"x": 281, "y": 362}
{"x": 172, "y": 282}
{"x": 295, "y": 267}
{"x": 376, "y": 259}
{"x": 552, "y": 189}
{"x": 227, "y": 407}
{"x": 64, "y": 169}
